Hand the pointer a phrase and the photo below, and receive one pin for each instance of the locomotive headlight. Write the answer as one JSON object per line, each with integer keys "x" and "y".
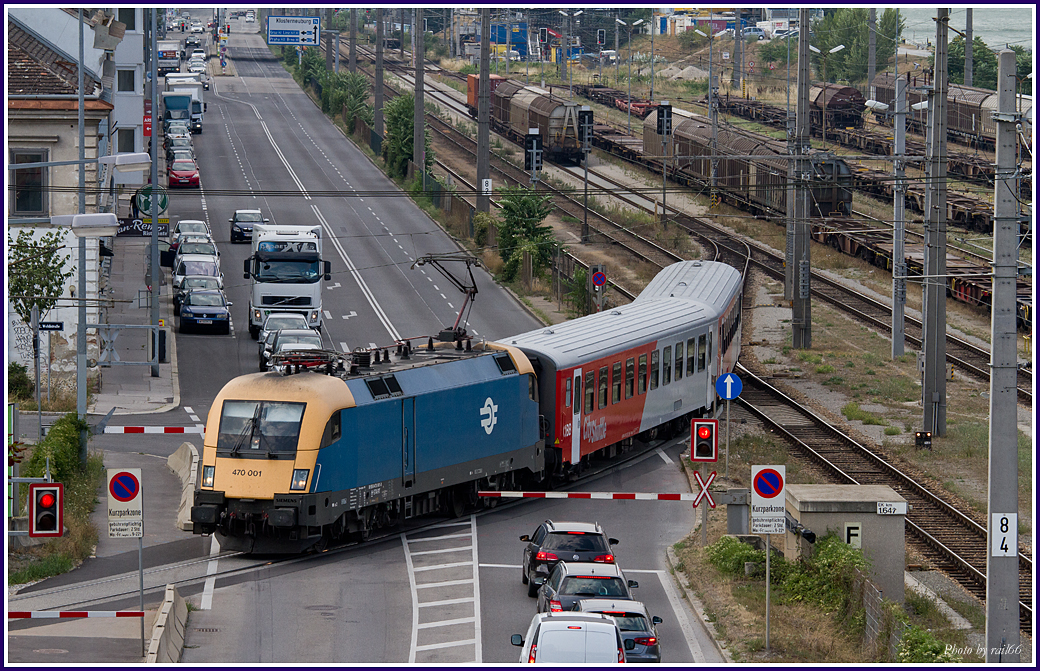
{"x": 207, "y": 475}
{"x": 299, "y": 479}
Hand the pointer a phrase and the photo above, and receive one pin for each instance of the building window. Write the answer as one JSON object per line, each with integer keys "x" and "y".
{"x": 29, "y": 184}
{"x": 125, "y": 83}
{"x": 128, "y": 15}
{"x": 125, "y": 140}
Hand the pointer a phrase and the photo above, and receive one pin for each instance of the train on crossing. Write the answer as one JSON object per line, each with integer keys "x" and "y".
{"x": 295, "y": 461}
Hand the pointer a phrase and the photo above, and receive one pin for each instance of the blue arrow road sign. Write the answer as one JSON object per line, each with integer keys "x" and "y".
{"x": 728, "y": 386}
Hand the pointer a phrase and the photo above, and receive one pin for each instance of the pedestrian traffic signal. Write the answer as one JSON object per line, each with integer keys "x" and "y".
{"x": 46, "y": 505}
{"x": 705, "y": 441}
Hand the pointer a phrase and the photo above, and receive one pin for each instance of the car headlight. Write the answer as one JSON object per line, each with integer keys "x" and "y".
{"x": 299, "y": 479}
{"x": 207, "y": 475}
{"x": 185, "y": 310}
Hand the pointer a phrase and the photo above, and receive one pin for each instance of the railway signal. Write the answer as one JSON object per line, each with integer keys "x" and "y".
{"x": 543, "y": 35}
{"x": 601, "y": 37}
{"x": 46, "y": 509}
{"x": 533, "y": 153}
{"x": 705, "y": 441}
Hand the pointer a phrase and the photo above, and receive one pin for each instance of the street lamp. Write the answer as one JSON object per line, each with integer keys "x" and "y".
{"x": 630, "y": 27}
{"x": 566, "y": 49}
{"x": 831, "y": 51}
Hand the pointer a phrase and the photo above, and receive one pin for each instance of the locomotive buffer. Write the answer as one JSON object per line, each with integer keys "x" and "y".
{"x": 456, "y": 333}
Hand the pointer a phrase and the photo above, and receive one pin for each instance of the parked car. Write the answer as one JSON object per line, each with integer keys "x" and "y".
{"x": 275, "y": 322}
{"x": 179, "y": 154}
{"x": 290, "y": 340}
{"x": 635, "y": 624}
{"x": 187, "y": 227}
{"x": 206, "y": 308}
{"x": 197, "y": 244}
{"x": 754, "y": 31}
{"x": 242, "y": 224}
{"x": 571, "y": 638}
{"x": 182, "y": 173}
{"x": 178, "y": 142}
{"x": 572, "y": 581}
{"x": 552, "y": 542}
{"x": 196, "y": 264}
{"x": 191, "y": 283}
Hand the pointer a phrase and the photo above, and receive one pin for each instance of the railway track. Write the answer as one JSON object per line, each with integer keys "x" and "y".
{"x": 954, "y": 541}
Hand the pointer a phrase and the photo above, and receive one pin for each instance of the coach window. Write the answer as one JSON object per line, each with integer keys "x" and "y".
{"x": 709, "y": 349}
{"x": 567, "y": 393}
{"x": 615, "y": 383}
{"x": 655, "y": 368}
{"x": 603, "y": 384}
{"x": 590, "y": 391}
{"x": 702, "y": 351}
{"x": 678, "y": 361}
{"x": 667, "y": 365}
{"x": 630, "y": 377}
{"x": 642, "y": 373}
{"x": 691, "y": 353}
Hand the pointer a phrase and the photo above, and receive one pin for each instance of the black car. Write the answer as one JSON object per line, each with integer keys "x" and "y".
{"x": 553, "y": 542}
{"x": 242, "y": 224}
{"x": 191, "y": 283}
{"x": 570, "y": 582}
{"x": 206, "y": 308}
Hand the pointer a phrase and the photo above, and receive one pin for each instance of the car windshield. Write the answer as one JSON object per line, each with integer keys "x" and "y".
{"x": 180, "y": 142}
{"x": 198, "y": 268}
{"x": 183, "y": 166}
{"x": 301, "y": 339}
{"x": 260, "y": 427}
{"x": 592, "y": 586}
{"x": 192, "y": 228}
{"x": 205, "y": 299}
{"x": 285, "y": 322}
{"x": 289, "y": 271}
{"x": 575, "y": 542}
{"x": 201, "y": 283}
{"x": 248, "y": 216}
{"x": 198, "y": 248}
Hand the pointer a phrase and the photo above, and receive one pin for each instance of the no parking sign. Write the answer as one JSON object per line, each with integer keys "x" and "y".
{"x": 767, "y": 499}
{"x": 125, "y": 503}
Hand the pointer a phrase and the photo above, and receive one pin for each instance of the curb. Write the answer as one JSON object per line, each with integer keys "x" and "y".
{"x": 698, "y": 607}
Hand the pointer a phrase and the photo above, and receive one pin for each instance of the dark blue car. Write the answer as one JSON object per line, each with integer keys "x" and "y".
{"x": 206, "y": 309}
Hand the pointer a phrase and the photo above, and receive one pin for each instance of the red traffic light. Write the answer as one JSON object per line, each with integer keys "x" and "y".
{"x": 704, "y": 444}
{"x": 704, "y": 431}
{"x": 47, "y": 499}
{"x": 46, "y": 509}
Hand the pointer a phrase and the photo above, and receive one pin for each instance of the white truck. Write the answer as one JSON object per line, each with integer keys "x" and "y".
{"x": 169, "y": 52}
{"x": 285, "y": 271}
{"x": 198, "y": 105}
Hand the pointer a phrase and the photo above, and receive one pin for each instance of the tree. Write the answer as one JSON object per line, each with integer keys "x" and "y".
{"x": 399, "y": 114}
{"x": 35, "y": 272}
{"x": 523, "y": 211}
{"x": 984, "y": 63}
{"x": 849, "y": 26}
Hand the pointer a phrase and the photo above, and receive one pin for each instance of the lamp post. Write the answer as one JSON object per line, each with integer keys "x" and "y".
{"x": 566, "y": 49}
{"x": 829, "y": 52}
{"x": 634, "y": 24}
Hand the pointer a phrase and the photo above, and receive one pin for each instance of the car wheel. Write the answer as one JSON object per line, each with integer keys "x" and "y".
{"x": 532, "y": 589}
{"x": 263, "y": 366}
{"x": 523, "y": 574}
{"x": 227, "y": 329}
{"x": 254, "y": 332}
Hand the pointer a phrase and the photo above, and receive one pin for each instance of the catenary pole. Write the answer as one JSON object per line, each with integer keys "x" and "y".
{"x": 155, "y": 195}
{"x": 81, "y": 327}
{"x": 352, "y": 64}
{"x": 483, "y": 113}
{"x": 801, "y": 313}
{"x": 899, "y": 223}
{"x": 418, "y": 123}
{"x": 377, "y": 116}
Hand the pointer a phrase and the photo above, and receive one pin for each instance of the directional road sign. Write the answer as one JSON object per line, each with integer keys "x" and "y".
{"x": 728, "y": 387}
{"x": 125, "y": 503}
{"x": 298, "y": 30}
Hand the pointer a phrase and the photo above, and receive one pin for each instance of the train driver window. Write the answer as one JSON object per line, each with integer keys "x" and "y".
{"x": 702, "y": 351}
{"x": 655, "y": 368}
{"x": 590, "y": 391}
{"x": 615, "y": 383}
{"x": 567, "y": 393}
{"x": 630, "y": 377}
{"x": 691, "y": 353}
{"x": 603, "y": 384}
{"x": 642, "y": 373}
{"x": 333, "y": 430}
{"x": 678, "y": 360}
{"x": 667, "y": 365}
{"x": 532, "y": 388}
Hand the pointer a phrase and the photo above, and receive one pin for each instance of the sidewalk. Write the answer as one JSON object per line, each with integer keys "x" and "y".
{"x": 132, "y": 390}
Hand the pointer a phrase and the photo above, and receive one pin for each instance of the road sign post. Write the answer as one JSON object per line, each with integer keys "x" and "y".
{"x": 126, "y": 518}
{"x": 768, "y": 510}
{"x": 728, "y": 387}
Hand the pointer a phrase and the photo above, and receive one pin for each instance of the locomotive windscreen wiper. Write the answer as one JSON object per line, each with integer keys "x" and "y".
{"x": 252, "y": 425}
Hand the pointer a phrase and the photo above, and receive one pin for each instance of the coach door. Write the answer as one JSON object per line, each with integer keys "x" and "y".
{"x": 408, "y": 441}
{"x": 576, "y": 399}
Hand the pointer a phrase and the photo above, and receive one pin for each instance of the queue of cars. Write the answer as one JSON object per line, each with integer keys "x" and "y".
{"x": 587, "y": 612}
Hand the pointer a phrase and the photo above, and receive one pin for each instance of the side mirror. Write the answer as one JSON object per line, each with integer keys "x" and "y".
{"x": 525, "y": 538}
{"x": 613, "y": 541}
{"x": 231, "y": 221}
{"x": 633, "y": 584}
{"x": 266, "y": 220}
{"x": 516, "y": 639}
{"x": 229, "y": 303}
{"x": 328, "y": 270}
{"x": 656, "y": 620}
{"x": 630, "y": 644}
{"x": 245, "y": 269}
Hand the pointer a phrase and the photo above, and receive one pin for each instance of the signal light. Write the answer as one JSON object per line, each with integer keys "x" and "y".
{"x": 46, "y": 510}
{"x": 704, "y": 445}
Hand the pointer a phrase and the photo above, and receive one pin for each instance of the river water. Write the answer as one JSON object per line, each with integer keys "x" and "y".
{"x": 995, "y": 25}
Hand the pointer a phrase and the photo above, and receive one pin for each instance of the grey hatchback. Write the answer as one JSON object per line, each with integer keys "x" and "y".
{"x": 635, "y": 623}
{"x": 574, "y": 581}
{"x": 553, "y": 542}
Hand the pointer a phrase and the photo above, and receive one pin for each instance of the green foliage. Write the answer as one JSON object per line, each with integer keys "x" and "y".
{"x": 399, "y": 115}
{"x": 51, "y": 565}
{"x": 825, "y": 578}
{"x": 61, "y": 444}
{"x": 523, "y": 211}
{"x": 577, "y": 291}
{"x": 468, "y": 70}
{"x": 984, "y": 63}
{"x": 919, "y": 646}
{"x": 729, "y": 555}
{"x": 852, "y": 412}
{"x": 35, "y": 272}
{"x": 19, "y": 386}
{"x": 481, "y": 227}
{"x": 690, "y": 41}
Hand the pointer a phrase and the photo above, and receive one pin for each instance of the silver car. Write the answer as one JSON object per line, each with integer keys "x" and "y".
{"x": 275, "y": 322}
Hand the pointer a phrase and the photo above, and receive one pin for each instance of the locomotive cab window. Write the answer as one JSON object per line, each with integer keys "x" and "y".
{"x": 505, "y": 364}
{"x": 259, "y": 428}
{"x": 615, "y": 383}
{"x": 590, "y": 391}
{"x": 333, "y": 430}
{"x": 603, "y": 384}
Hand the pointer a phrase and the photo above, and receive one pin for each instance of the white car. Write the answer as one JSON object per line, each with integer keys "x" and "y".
{"x": 572, "y": 638}
{"x": 196, "y": 27}
{"x": 198, "y": 53}
{"x": 196, "y": 264}
{"x": 196, "y": 66}
{"x": 250, "y": 18}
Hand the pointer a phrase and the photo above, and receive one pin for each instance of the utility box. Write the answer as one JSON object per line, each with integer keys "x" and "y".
{"x": 871, "y": 517}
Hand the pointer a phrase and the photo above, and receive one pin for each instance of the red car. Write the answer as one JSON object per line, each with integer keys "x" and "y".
{"x": 182, "y": 172}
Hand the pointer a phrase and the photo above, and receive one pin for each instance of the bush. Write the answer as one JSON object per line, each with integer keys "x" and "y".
{"x": 729, "y": 555}
{"x": 824, "y": 578}
{"x": 919, "y": 646}
{"x": 19, "y": 386}
{"x": 61, "y": 444}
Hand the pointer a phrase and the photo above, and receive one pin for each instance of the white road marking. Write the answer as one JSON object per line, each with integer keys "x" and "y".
{"x": 188, "y": 409}
{"x": 328, "y": 315}
{"x": 334, "y": 286}
{"x": 211, "y": 570}
{"x": 343, "y": 346}
{"x": 660, "y": 453}
{"x": 352, "y": 314}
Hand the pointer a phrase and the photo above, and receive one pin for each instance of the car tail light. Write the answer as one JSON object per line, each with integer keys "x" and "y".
{"x": 546, "y": 556}
{"x": 647, "y": 640}
{"x": 620, "y": 655}
{"x": 604, "y": 559}
{"x": 530, "y": 657}
{"x": 555, "y": 606}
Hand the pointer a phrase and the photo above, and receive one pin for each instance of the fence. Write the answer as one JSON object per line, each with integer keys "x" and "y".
{"x": 883, "y": 630}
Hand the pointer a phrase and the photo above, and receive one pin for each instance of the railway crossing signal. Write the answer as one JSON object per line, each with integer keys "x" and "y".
{"x": 704, "y": 445}
{"x": 46, "y": 509}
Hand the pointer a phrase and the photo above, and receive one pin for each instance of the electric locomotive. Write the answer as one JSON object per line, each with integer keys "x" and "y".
{"x": 294, "y": 461}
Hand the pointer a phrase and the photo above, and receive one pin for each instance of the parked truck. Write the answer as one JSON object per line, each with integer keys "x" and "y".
{"x": 176, "y": 105}
{"x": 285, "y": 271}
{"x": 169, "y": 52}
{"x": 198, "y": 105}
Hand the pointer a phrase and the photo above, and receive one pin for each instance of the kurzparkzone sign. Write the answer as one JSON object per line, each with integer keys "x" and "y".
{"x": 293, "y": 30}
